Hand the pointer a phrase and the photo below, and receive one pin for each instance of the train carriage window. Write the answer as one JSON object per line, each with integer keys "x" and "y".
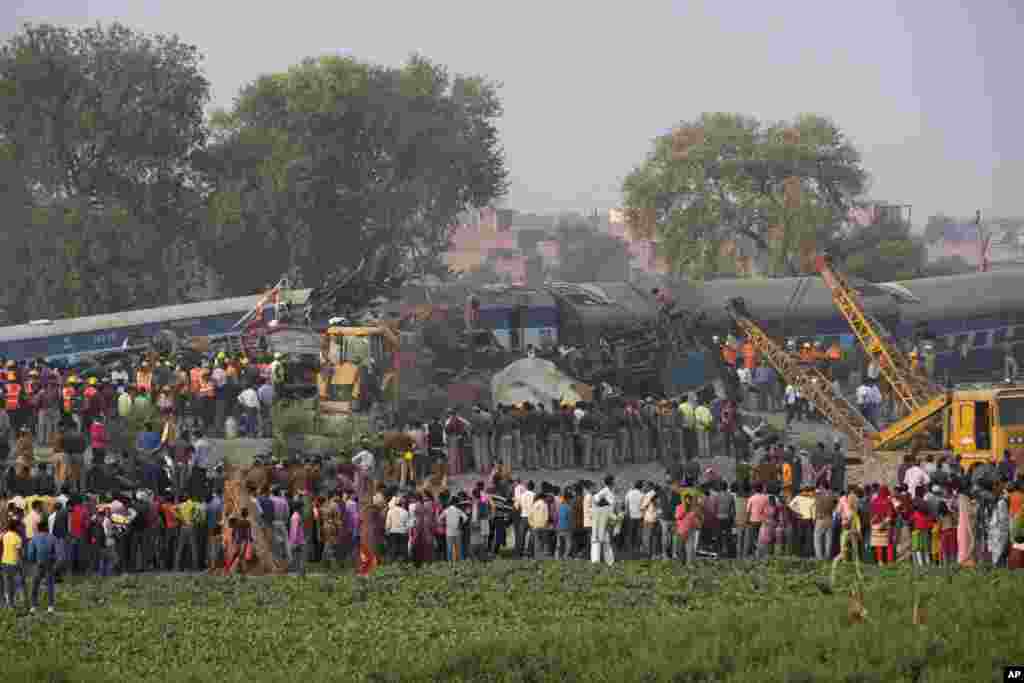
{"x": 980, "y": 339}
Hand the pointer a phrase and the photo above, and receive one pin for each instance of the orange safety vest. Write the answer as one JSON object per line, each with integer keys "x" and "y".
{"x": 13, "y": 395}
{"x": 196, "y": 380}
{"x": 749, "y": 356}
{"x": 729, "y": 355}
{"x": 834, "y": 353}
{"x": 69, "y": 394}
{"x": 206, "y": 388}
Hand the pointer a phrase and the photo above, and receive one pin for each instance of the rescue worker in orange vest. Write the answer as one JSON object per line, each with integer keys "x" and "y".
{"x": 835, "y": 354}
{"x": 195, "y": 380}
{"x": 12, "y": 397}
{"x": 90, "y": 403}
{"x": 207, "y": 399}
{"x": 749, "y": 355}
{"x": 70, "y": 399}
{"x": 144, "y": 378}
{"x": 914, "y": 359}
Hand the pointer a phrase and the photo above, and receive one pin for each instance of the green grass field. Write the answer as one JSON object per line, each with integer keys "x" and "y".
{"x": 525, "y": 621}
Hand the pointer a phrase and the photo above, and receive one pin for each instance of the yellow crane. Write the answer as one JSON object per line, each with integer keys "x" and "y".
{"x": 809, "y": 381}
{"x": 979, "y": 423}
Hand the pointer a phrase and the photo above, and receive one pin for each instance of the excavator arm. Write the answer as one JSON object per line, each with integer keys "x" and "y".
{"x": 921, "y": 420}
{"x": 912, "y": 388}
{"x": 810, "y": 382}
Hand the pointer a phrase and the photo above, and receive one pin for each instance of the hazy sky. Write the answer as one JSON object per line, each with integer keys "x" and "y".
{"x": 927, "y": 95}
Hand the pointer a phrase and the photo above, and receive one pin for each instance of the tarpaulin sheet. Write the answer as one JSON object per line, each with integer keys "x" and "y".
{"x": 537, "y": 381}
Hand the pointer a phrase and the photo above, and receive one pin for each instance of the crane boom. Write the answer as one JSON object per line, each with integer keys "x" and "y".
{"x": 812, "y": 384}
{"x": 913, "y": 389}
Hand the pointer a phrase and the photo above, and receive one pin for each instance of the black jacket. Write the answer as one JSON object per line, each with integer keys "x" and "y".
{"x": 435, "y": 435}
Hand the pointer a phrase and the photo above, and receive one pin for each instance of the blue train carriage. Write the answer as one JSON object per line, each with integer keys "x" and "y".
{"x": 520, "y": 317}
{"x": 795, "y": 308}
{"x": 71, "y": 337}
{"x": 970, "y": 319}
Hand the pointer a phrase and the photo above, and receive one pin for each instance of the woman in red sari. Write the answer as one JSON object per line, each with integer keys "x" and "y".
{"x": 883, "y": 513}
{"x": 371, "y": 535}
{"x": 423, "y": 531}
{"x": 241, "y": 543}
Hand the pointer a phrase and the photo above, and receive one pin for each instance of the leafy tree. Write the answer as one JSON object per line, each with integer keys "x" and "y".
{"x": 883, "y": 251}
{"x": 586, "y": 255}
{"x": 97, "y": 130}
{"x": 725, "y": 177}
{"x": 336, "y": 160}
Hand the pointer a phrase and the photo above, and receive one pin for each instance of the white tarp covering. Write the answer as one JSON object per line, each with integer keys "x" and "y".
{"x": 536, "y": 381}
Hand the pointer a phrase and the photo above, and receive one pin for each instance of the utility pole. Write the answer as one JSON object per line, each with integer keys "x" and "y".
{"x": 984, "y": 238}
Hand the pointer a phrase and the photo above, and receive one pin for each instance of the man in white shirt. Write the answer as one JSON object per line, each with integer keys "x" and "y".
{"x": 453, "y": 518}
{"x": 634, "y": 517}
{"x": 875, "y": 400}
{"x": 265, "y": 392}
{"x": 916, "y": 477}
{"x": 873, "y": 371}
{"x": 250, "y": 403}
{"x": 600, "y": 540}
{"x": 792, "y": 397}
{"x": 202, "y": 460}
{"x": 523, "y": 503}
{"x": 864, "y": 402}
{"x": 745, "y": 377}
{"x": 396, "y": 526}
{"x": 364, "y": 461}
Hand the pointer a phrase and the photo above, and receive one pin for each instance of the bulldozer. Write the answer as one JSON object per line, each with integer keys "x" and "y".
{"x": 358, "y": 368}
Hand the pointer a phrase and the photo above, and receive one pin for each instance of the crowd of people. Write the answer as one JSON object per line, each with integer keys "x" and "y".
{"x": 158, "y": 504}
{"x": 932, "y": 515}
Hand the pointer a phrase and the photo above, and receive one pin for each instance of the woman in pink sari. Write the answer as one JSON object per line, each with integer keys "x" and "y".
{"x": 965, "y": 530}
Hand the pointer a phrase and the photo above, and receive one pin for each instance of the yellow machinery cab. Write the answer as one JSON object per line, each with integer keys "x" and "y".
{"x": 344, "y": 353}
{"x": 984, "y": 423}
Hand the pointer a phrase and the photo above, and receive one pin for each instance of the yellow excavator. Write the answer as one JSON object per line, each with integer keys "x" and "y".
{"x": 980, "y": 423}
{"x": 358, "y": 367}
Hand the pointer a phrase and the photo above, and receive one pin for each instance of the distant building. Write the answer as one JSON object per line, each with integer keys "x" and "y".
{"x": 643, "y": 253}
{"x": 962, "y": 239}
{"x": 493, "y": 234}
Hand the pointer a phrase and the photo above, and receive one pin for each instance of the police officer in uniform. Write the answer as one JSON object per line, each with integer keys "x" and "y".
{"x": 622, "y": 431}
{"x": 553, "y": 427}
{"x": 504, "y": 427}
{"x": 605, "y": 441}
